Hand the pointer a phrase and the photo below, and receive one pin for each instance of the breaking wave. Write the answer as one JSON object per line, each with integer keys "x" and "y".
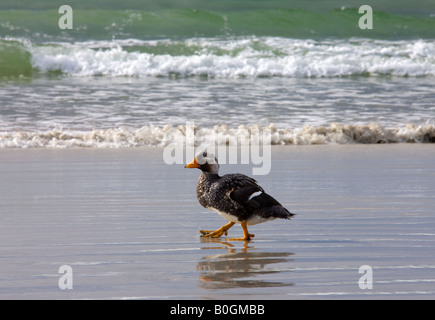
{"x": 252, "y": 57}
{"x": 221, "y": 135}
{"x": 222, "y": 58}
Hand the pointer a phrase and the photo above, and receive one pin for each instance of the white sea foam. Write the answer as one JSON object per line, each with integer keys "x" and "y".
{"x": 222, "y": 135}
{"x": 249, "y": 57}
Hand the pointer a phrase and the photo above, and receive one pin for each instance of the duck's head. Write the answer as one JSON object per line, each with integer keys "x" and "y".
{"x": 207, "y": 162}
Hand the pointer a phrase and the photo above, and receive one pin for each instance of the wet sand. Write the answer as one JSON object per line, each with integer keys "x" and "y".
{"x": 128, "y": 226}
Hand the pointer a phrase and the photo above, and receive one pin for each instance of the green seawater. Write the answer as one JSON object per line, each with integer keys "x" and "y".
{"x": 103, "y": 20}
{"x": 31, "y": 24}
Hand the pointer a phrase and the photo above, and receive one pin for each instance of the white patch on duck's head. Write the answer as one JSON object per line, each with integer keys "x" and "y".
{"x": 207, "y": 162}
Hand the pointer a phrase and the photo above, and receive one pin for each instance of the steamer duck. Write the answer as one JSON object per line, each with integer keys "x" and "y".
{"x": 235, "y": 197}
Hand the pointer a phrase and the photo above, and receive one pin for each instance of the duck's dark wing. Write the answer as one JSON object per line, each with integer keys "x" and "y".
{"x": 243, "y": 188}
{"x": 246, "y": 192}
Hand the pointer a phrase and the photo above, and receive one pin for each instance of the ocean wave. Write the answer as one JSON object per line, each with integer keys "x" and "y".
{"x": 218, "y": 135}
{"x": 221, "y": 58}
{"x": 245, "y": 57}
{"x": 14, "y": 59}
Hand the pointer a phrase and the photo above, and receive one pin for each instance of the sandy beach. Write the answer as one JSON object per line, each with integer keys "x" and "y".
{"x": 128, "y": 226}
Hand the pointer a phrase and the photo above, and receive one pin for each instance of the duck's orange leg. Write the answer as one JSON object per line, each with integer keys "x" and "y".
{"x": 246, "y": 235}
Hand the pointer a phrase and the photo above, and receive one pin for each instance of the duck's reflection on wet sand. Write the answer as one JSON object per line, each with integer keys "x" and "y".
{"x": 239, "y": 267}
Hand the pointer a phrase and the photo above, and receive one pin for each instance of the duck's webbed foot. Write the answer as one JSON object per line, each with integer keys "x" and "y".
{"x": 219, "y": 232}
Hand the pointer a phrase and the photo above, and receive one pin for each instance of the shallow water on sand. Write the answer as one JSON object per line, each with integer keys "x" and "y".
{"x": 128, "y": 224}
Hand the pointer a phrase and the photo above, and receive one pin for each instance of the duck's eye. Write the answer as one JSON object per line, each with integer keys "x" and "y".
{"x": 204, "y": 154}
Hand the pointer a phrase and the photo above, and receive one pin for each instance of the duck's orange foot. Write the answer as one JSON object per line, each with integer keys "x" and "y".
{"x": 219, "y": 232}
{"x": 213, "y": 234}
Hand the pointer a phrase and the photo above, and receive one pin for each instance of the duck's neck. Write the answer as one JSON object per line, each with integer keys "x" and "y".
{"x": 210, "y": 176}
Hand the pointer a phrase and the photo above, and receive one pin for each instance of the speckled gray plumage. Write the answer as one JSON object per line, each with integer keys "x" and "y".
{"x": 232, "y": 194}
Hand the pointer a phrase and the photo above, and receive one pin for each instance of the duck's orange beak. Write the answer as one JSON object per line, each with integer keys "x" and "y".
{"x": 193, "y": 164}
